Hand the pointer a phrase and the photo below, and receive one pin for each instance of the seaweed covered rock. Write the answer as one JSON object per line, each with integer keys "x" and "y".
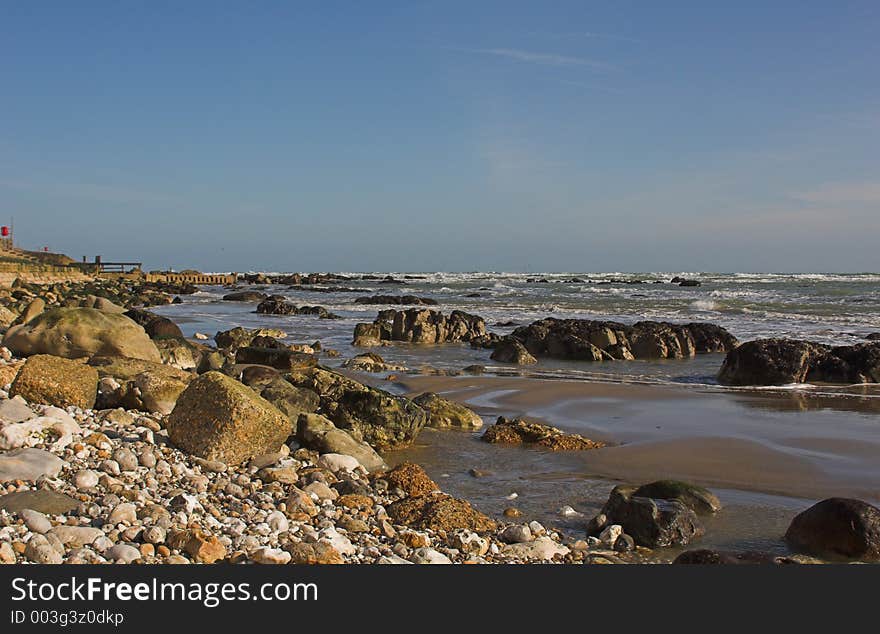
{"x": 375, "y": 416}
{"x": 319, "y": 433}
{"x": 516, "y": 431}
{"x": 420, "y": 325}
{"x": 443, "y": 413}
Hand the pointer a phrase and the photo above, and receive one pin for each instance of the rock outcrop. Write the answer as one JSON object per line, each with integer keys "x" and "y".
{"x": 396, "y": 300}
{"x": 588, "y": 340}
{"x": 319, "y": 433}
{"x": 420, "y": 325}
{"x": 278, "y": 305}
{"x": 156, "y": 326}
{"x": 786, "y": 361}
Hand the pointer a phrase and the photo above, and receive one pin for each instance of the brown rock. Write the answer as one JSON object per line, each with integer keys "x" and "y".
{"x": 55, "y": 381}
{"x": 412, "y": 479}
{"x": 439, "y": 512}
{"x": 519, "y": 431}
{"x": 204, "y": 548}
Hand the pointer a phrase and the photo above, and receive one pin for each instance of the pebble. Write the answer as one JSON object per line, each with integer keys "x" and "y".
{"x": 429, "y": 556}
{"x": 270, "y": 556}
{"x": 123, "y": 552}
{"x": 516, "y": 534}
{"x": 85, "y": 479}
{"x": 36, "y": 521}
{"x": 124, "y": 513}
{"x": 610, "y": 534}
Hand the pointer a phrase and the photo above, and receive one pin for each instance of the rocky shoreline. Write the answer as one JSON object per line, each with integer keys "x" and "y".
{"x": 121, "y": 441}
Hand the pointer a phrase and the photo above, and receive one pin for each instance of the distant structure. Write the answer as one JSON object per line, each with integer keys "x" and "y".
{"x": 192, "y": 277}
{"x": 6, "y": 241}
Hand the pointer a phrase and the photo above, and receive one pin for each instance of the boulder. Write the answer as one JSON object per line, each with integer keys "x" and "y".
{"x": 443, "y": 413}
{"x": 411, "y": 479}
{"x": 375, "y": 416}
{"x": 291, "y": 400}
{"x": 653, "y": 523}
{"x": 142, "y": 385}
{"x": 420, "y": 325}
{"x": 440, "y": 512}
{"x": 79, "y": 332}
{"x": 278, "y": 358}
{"x": 238, "y": 337}
{"x": 34, "y": 308}
{"x": 509, "y": 350}
{"x": 319, "y": 433}
{"x": 156, "y": 326}
{"x": 218, "y": 418}
{"x": 245, "y": 296}
{"x": 700, "y": 500}
{"x": 518, "y": 431}
{"x": 56, "y": 381}
{"x": 371, "y": 362}
{"x": 785, "y": 361}
{"x": 837, "y": 528}
{"x": 278, "y": 305}
{"x": 181, "y": 353}
{"x": 367, "y": 335}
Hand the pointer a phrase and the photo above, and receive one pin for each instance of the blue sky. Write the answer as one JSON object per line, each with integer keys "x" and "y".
{"x": 530, "y": 136}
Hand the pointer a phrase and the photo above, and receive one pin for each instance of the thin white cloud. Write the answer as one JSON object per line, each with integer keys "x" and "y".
{"x": 547, "y": 59}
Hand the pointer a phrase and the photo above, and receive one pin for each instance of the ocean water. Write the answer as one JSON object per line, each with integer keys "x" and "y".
{"x": 829, "y": 308}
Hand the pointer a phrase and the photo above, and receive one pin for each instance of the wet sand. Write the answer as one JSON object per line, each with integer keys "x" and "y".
{"x": 765, "y": 459}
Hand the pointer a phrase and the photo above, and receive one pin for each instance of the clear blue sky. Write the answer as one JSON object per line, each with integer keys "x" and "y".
{"x": 445, "y": 135}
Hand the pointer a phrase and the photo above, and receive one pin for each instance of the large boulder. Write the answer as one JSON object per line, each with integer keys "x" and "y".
{"x": 785, "y": 361}
{"x": 245, "y": 296}
{"x": 367, "y": 335}
{"x": 81, "y": 332}
{"x": 218, "y": 418}
{"x": 375, "y": 416}
{"x": 837, "y": 528}
{"x": 156, "y": 326}
{"x": 238, "y": 337}
{"x": 443, "y": 413}
{"x": 278, "y": 305}
{"x": 319, "y": 433}
{"x": 139, "y": 385}
{"x": 653, "y": 523}
{"x": 56, "y": 381}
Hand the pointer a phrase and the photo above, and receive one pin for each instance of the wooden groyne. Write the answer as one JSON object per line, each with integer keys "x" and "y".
{"x": 194, "y": 277}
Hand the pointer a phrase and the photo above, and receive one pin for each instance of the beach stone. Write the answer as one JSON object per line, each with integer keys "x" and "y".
{"x": 516, "y": 534}
{"x": 377, "y": 417}
{"x": 443, "y": 413}
{"x": 268, "y": 555}
{"x": 41, "y": 500}
{"x": 319, "y": 433}
{"x": 520, "y": 431}
{"x": 698, "y": 499}
{"x": 77, "y": 332}
{"x": 278, "y": 522}
{"x": 123, "y": 552}
{"x": 542, "y": 548}
{"x": 319, "y": 553}
{"x": 126, "y": 459}
{"x": 298, "y": 501}
{"x": 321, "y": 491}
{"x": 35, "y": 521}
{"x": 76, "y": 536}
{"x": 154, "y": 535}
{"x": 29, "y": 464}
{"x": 837, "y": 528}
{"x": 218, "y": 418}
{"x": 337, "y": 462}
{"x": 509, "y": 350}
{"x": 610, "y": 534}
{"x": 40, "y": 551}
{"x": 55, "y": 381}
{"x": 202, "y": 547}
{"x": 15, "y": 410}
{"x": 125, "y": 512}
{"x": 651, "y": 523}
{"x": 85, "y": 479}
{"x": 7, "y": 553}
{"x": 340, "y": 543}
{"x": 429, "y": 556}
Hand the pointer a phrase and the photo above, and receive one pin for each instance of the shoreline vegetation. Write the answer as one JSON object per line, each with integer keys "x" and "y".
{"x": 123, "y": 441}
